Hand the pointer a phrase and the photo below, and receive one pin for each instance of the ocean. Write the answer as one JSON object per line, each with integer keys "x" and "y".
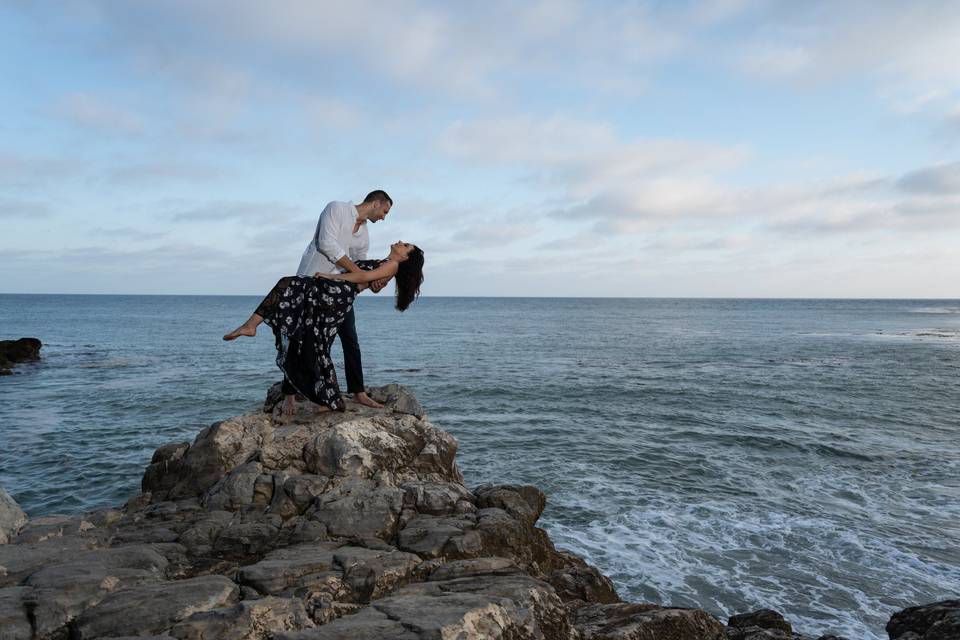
{"x": 800, "y": 455}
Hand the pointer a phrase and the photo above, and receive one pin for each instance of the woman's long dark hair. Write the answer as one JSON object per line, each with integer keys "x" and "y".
{"x": 409, "y": 278}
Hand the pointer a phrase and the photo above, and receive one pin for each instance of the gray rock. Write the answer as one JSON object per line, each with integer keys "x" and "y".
{"x": 235, "y": 490}
{"x": 576, "y": 581}
{"x": 523, "y": 502}
{"x": 359, "y": 508}
{"x": 14, "y": 620}
{"x": 257, "y": 619}
{"x": 359, "y": 448}
{"x": 366, "y": 625}
{"x": 372, "y": 573}
{"x": 199, "y": 538}
{"x": 763, "y": 618}
{"x": 244, "y": 540}
{"x": 474, "y": 567}
{"x": 436, "y": 498}
{"x": 17, "y": 561}
{"x": 645, "y": 622}
{"x": 161, "y": 474}
{"x": 480, "y": 607}
{"x": 303, "y": 489}
{"x": 158, "y": 607}
{"x": 759, "y": 633}
{"x": 12, "y": 517}
{"x": 274, "y": 397}
{"x": 397, "y": 398}
{"x": 55, "y": 526}
{"x": 63, "y": 591}
{"x": 936, "y": 621}
{"x": 217, "y": 450}
{"x": 305, "y": 530}
{"x": 449, "y": 537}
{"x": 292, "y": 567}
{"x": 283, "y": 446}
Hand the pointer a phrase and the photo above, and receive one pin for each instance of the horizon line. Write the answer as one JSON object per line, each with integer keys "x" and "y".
{"x": 517, "y": 297}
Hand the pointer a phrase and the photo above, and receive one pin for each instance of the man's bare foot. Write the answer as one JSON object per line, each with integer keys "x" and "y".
{"x": 361, "y": 397}
{"x": 242, "y": 330}
{"x": 289, "y": 405}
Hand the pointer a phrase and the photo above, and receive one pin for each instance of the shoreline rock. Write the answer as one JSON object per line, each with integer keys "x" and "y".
{"x": 15, "y": 351}
{"x": 337, "y": 525}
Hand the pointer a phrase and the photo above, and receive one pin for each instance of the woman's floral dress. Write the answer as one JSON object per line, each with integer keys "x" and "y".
{"x": 305, "y": 314}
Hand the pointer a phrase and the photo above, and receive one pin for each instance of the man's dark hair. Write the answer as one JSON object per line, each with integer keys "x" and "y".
{"x": 380, "y": 195}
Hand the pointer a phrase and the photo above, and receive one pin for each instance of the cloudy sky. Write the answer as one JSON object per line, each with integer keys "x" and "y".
{"x": 554, "y": 148}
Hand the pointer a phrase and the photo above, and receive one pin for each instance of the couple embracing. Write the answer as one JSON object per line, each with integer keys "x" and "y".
{"x": 308, "y": 310}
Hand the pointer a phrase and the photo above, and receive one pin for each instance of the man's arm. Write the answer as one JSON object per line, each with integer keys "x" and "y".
{"x": 348, "y": 265}
{"x": 385, "y": 271}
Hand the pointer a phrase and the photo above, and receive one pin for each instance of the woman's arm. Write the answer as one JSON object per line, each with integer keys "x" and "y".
{"x": 386, "y": 270}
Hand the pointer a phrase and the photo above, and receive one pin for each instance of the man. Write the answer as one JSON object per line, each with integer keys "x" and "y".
{"x": 341, "y": 239}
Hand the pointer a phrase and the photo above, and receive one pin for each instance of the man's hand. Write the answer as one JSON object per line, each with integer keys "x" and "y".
{"x": 377, "y": 285}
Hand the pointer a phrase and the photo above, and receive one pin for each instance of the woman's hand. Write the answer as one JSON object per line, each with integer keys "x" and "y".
{"x": 377, "y": 285}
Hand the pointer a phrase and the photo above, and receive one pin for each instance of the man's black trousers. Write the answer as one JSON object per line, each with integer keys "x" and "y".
{"x": 352, "y": 363}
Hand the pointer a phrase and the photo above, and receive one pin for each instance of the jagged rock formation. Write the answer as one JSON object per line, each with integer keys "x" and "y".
{"x": 353, "y": 525}
{"x": 14, "y": 351}
{"x": 12, "y": 517}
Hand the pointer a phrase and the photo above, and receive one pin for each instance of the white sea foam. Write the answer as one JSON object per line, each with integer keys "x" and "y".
{"x": 740, "y": 555}
{"x": 743, "y": 561}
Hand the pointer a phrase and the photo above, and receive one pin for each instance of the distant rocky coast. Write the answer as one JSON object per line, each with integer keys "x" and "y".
{"x": 353, "y": 525}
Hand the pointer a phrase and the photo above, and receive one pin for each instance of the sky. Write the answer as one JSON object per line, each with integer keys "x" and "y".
{"x": 724, "y": 148}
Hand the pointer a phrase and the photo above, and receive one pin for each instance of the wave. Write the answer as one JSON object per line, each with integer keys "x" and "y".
{"x": 937, "y": 310}
{"x": 116, "y": 363}
{"x": 728, "y": 559}
{"x": 934, "y": 333}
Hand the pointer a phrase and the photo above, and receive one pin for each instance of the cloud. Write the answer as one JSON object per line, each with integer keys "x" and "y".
{"x": 493, "y": 234}
{"x": 129, "y": 233}
{"x": 775, "y": 60}
{"x": 936, "y": 180}
{"x": 264, "y": 212}
{"x": 96, "y": 112}
{"x": 24, "y": 209}
{"x": 471, "y": 52}
{"x": 909, "y": 47}
{"x": 20, "y": 170}
{"x": 153, "y": 172}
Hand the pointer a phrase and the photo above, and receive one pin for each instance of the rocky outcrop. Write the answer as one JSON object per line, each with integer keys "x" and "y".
{"x": 12, "y": 517}
{"x": 352, "y": 525}
{"x": 937, "y": 621}
{"x": 14, "y": 351}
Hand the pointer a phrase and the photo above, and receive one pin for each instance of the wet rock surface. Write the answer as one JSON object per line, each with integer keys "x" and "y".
{"x": 335, "y": 525}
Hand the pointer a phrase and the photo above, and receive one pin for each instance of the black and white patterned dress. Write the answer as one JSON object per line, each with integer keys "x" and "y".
{"x": 305, "y": 314}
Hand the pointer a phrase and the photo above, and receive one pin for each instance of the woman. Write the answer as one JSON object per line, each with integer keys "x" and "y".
{"x": 305, "y": 314}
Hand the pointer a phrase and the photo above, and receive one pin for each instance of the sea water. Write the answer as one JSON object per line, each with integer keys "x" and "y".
{"x": 801, "y": 455}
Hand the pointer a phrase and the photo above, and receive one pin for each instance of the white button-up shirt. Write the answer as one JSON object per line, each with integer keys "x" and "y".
{"x": 333, "y": 239}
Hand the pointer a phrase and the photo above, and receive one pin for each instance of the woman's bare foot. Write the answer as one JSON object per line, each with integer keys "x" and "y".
{"x": 289, "y": 405}
{"x": 242, "y": 330}
{"x": 320, "y": 408}
{"x": 248, "y": 328}
{"x": 361, "y": 397}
